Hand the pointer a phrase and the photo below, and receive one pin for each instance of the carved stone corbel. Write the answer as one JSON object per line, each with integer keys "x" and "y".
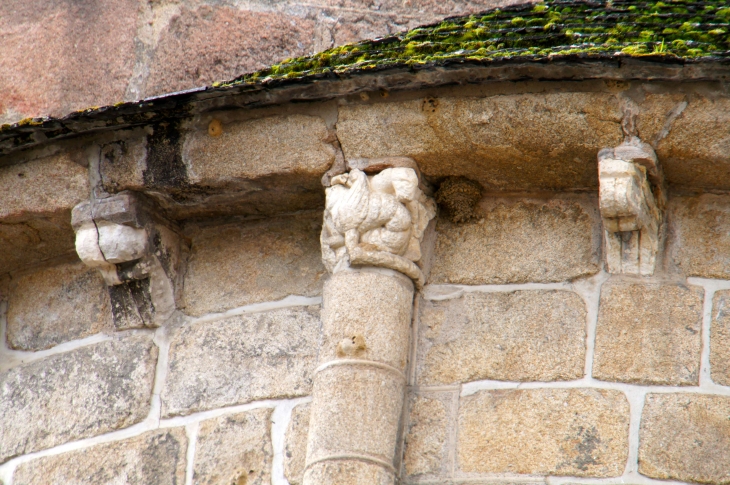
{"x": 376, "y": 220}
{"x": 631, "y": 200}
{"x": 137, "y": 253}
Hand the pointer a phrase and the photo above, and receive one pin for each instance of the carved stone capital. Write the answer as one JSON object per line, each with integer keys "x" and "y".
{"x": 631, "y": 206}
{"x": 376, "y": 220}
{"x": 137, "y": 253}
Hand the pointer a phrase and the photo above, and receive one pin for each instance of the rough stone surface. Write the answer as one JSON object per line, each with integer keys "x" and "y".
{"x": 356, "y": 409}
{"x": 699, "y": 235}
{"x": 692, "y": 143}
{"x": 267, "y": 260}
{"x": 720, "y": 339}
{"x": 234, "y": 449}
{"x": 649, "y": 334}
{"x": 344, "y": 21}
{"x": 295, "y": 446}
{"x": 657, "y": 112}
{"x": 371, "y": 308}
{"x": 40, "y": 401}
{"x": 578, "y": 432}
{"x": 154, "y": 457}
{"x": 685, "y": 437}
{"x": 518, "y": 242}
{"x": 35, "y": 240}
{"x": 350, "y": 472}
{"x": 276, "y": 145}
{"x": 424, "y": 10}
{"x": 122, "y": 165}
{"x": 520, "y": 336}
{"x": 519, "y": 142}
{"x": 55, "y": 305}
{"x": 267, "y": 355}
{"x": 426, "y": 439}
{"x": 42, "y": 187}
{"x": 36, "y": 199}
{"x": 206, "y": 44}
{"x": 89, "y": 67}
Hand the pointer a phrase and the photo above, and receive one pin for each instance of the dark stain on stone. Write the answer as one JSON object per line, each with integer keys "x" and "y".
{"x": 586, "y": 446}
{"x": 132, "y": 304}
{"x": 165, "y": 167}
{"x": 114, "y": 152}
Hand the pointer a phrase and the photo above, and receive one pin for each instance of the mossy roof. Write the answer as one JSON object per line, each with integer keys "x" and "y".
{"x": 553, "y": 31}
{"x": 675, "y": 29}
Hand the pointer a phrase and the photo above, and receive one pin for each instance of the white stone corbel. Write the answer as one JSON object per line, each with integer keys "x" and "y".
{"x": 376, "y": 220}
{"x": 137, "y": 253}
{"x": 631, "y": 200}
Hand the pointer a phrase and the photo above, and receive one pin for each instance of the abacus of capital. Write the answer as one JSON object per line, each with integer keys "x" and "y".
{"x": 373, "y": 228}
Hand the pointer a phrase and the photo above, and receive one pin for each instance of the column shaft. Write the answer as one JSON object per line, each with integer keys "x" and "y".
{"x": 359, "y": 386}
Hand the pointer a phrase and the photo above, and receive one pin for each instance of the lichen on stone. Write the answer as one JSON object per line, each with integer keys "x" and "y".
{"x": 671, "y": 30}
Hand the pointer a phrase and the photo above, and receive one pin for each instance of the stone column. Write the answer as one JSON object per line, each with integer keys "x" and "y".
{"x": 373, "y": 227}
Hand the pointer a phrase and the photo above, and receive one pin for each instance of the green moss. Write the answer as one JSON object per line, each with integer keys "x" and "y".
{"x": 678, "y": 28}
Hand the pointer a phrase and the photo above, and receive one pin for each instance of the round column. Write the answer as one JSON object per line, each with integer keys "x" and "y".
{"x": 373, "y": 226}
{"x": 359, "y": 385}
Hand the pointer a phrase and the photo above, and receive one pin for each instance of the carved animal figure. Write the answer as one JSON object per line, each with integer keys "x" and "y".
{"x": 377, "y": 218}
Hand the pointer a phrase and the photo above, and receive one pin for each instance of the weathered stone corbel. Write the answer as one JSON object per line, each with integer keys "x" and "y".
{"x": 376, "y": 220}
{"x": 631, "y": 193}
{"x": 137, "y": 253}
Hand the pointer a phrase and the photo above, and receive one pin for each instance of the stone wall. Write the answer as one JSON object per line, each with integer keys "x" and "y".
{"x": 171, "y": 45}
{"x": 529, "y": 363}
{"x": 518, "y": 375}
{"x": 206, "y": 398}
{"x": 539, "y": 370}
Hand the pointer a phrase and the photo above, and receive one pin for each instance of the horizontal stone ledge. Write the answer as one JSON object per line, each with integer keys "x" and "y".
{"x": 270, "y": 164}
{"x": 36, "y": 198}
{"x": 405, "y": 78}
